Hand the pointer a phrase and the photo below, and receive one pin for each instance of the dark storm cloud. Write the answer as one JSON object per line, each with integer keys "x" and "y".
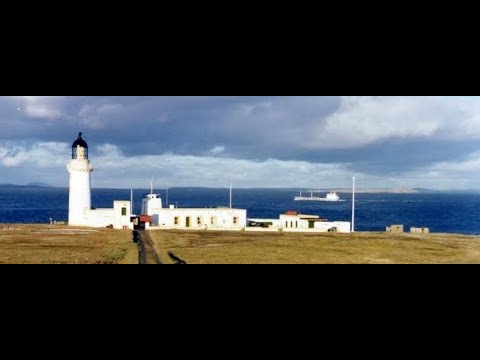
{"x": 379, "y": 136}
{"x": 251, "y": 126}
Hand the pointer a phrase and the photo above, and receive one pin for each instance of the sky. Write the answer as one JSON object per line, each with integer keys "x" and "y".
{"x": 247, "y": 141}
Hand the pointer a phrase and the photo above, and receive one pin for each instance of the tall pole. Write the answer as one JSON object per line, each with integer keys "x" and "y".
{"x": 131, "y": 201}
{"x": 167, "y": 197}
{"x": 230, "y": 196}
{"x": 353, "y": 205}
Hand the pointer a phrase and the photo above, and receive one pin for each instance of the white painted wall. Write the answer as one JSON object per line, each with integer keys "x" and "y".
{"x": 275, "y": 224}
{"x": 110, "y": 216}
{"x": 295, "y": 221}
{"x": 223, "y": 218}
{"x": 342, "y": 226}
{"x": 151, "y": 205}
{"x": 300, "y": 223}
{"x": 100, "y": 217}
{"x": 121, "y": 221}
{"x": 79, "y": 198}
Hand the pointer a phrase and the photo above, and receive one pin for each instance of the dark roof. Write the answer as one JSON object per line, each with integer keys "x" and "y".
{"x": 80, "y": 142}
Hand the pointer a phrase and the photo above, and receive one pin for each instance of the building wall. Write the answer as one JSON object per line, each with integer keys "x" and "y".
{"x": 213, "y": 218}
{"x": 341, "y": 226}
{"x": 395, "y": 229}
{"x": 122, "y": 214}
{"x": 419, "y": 230}
{"x": 151, "y": 205}
{"x": 110, "y": 216}
{"x": 292, "y": 222}
{"x": 300, "y": 222}
{"x": 99, "y": 217}
{"x": 265, "y": 224}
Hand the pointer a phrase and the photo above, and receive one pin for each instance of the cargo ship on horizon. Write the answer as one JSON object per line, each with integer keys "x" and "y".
{"x": 331, "y": 196}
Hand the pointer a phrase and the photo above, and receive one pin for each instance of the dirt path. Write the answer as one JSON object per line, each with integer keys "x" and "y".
{"x": 147, "y": 252}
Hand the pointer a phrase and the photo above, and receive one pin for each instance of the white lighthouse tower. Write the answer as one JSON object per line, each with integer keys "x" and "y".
{"x": 79, "y": 168}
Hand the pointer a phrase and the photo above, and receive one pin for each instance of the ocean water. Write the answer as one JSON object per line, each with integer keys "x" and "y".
{"x": 441, "y": 212}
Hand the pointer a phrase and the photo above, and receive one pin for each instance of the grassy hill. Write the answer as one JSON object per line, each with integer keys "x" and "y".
{"x": 197, "y": 247}
{"x": 61, "y": 244}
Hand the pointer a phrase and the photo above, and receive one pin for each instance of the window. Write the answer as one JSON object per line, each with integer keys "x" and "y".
{"x": 124, "y": 211}
{"x": 286, "y": 224}
{"x": 212, "y": 220}
{"x": 199, "y": 220}
{"x": 176, "y": 220}
{"x": 235, "y": 219}
{"x": 296, "y": 224}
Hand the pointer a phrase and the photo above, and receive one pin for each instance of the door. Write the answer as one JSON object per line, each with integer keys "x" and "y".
{"x": 187, "y": 221}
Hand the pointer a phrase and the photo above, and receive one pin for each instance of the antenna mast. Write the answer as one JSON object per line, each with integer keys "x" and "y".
{"x": 131, "y": 201}
{"x": 353, "y": 205}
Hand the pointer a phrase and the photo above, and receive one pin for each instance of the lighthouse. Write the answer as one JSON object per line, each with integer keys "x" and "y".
{"x": 79, "y": 168}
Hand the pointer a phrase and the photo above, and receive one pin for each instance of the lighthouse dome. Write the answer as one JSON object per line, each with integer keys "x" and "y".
{"x": 79, "y": 148}
{"x": 80, "y": 142}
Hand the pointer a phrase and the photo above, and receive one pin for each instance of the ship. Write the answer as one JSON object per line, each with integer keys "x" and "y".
{"x": 331, "y": 196}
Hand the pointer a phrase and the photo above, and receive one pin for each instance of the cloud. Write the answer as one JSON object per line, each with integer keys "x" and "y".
{"x": 362, "y": 120}
{"x": 470, "y": 165}
{"x": 253, "y": 127}
{"x": 210, "y": 171}
{"x": 446, "y": 175}
{"x": 41, "y": 155}
{"x": 44, "y": 107}
{"x": 216, "y": 136}
{"x": 216, "y": 150}
{"x": 114, "y": 169}
{"x": 301, "y": 124}
{"x": 97, "y": 116}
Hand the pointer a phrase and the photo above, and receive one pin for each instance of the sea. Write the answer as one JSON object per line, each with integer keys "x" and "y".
{"x": 440, "y": 212}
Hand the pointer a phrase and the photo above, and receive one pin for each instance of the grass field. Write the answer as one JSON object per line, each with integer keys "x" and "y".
{"x": 58, "y": 244}
{"x": 202, "y": 247}
{"x": 61, "y": 244}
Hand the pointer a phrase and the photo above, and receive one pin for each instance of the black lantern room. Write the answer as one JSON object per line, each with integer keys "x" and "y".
{"x": 83, "y": 153}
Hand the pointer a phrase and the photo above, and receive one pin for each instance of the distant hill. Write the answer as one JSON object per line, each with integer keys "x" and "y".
{"x": 33, "y": 184}
{"x": 373, "y": 191}
{"x": 403, "y": 191}
{"x": 428, "y": 191}
{"x": 39, "y": 184}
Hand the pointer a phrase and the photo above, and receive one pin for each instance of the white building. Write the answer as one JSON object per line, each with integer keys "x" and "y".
{"x": 291, "y": 221}
{"x": 199, "y": 218}
{"x": 80, "y": 212}
{"x": 152, "y": 205}
{"x": 220, "y": 218}
{"x": 118, "y": 217}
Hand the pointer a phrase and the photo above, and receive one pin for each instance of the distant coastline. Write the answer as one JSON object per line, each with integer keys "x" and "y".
{"x": 337, "y": 190}
{"x": 42, "y": 185}
{"x": 379, "y": 191}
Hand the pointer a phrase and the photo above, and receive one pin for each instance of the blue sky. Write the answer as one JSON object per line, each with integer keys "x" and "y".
{"x": 254, "y": 141}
